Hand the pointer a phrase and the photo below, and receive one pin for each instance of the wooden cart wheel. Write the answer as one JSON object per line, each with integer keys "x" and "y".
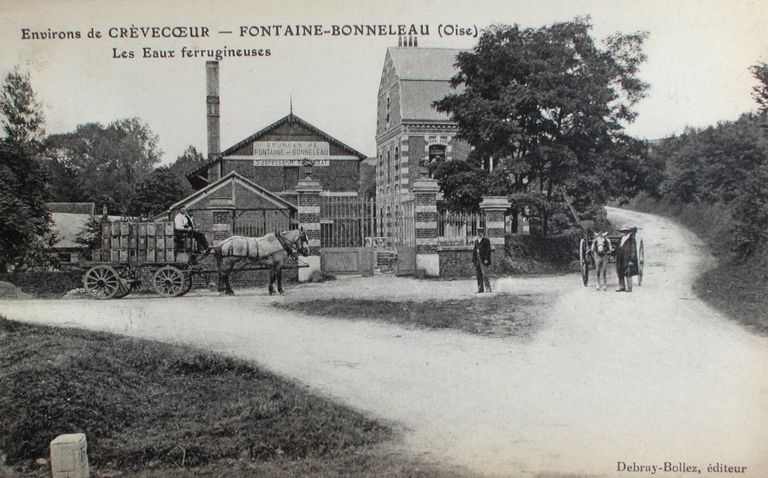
{"x": 103, "y": 282}
{"x": 640, "y": 263}
{"x": 170, "y": 281}
{"x": 584, "y": 261}
{"x": 125, "y": 287}
{"x": 187, "y": 283}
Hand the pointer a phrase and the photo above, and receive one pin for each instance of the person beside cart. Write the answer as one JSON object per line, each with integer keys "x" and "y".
{"x": 626, "y": 259}
{"x": 184, "y": 226}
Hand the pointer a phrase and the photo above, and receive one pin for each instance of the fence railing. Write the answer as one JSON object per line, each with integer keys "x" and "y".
{"x": 346, "y": 221}
{"x": 458, "y": 229}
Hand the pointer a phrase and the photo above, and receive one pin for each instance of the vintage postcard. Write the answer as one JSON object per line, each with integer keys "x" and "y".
{"x": 358, "y": 238}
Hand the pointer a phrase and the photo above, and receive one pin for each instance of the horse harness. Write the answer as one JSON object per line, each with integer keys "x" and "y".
{"x": 291, "y": 249}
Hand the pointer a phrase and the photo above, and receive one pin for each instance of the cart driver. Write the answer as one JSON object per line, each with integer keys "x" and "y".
{"x": 184, "y": 226}
{"x": 626, "y": 259}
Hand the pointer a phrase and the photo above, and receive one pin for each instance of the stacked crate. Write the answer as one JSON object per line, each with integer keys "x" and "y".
{"x": 137, "y": 242}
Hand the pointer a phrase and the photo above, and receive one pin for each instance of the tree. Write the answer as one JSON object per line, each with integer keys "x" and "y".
{"x": 104, "y": 164}
{"x": 760, "y": 92}
{"x": 25, "y": 222}
{"x": 89, "y": 235}
{"x": 156, "y": 193}
{"x": 189, "y": 160}
{"x": 547, "y": 107}
{"x": 22, "y": 116}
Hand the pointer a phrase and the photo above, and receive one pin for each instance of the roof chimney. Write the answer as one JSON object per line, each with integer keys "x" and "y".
{"x": 212, "y": 108}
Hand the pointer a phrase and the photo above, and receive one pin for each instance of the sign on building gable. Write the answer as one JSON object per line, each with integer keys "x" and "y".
{"x": 290, "y": 153}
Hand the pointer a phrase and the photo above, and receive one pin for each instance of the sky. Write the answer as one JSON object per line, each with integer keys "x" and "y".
{"x": 698, "y": 53}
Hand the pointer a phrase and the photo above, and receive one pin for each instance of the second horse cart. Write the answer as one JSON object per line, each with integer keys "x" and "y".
{"x": 586, "y": 261}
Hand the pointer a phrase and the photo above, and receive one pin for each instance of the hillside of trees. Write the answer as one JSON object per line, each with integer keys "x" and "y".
{"x": 716, "y": 182}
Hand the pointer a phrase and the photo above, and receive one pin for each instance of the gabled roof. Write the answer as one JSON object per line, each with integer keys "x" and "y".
{"x": 233, "y": 176}
{"x": 290, "y": 118}
{"x": 435, "y": 64}
{"x": 424, "y": 76}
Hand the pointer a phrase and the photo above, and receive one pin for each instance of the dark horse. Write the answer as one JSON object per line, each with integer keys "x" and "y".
{"x": 270, "y": 250}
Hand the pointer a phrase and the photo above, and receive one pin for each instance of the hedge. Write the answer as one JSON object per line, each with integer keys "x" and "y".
{"x": 48, "y": 282}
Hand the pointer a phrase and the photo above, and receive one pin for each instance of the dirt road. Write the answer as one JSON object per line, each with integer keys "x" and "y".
{"x": 644, "y": 378}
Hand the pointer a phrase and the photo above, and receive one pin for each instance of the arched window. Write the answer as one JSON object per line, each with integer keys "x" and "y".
{"x": 389, "y": 108}
{"x": 397, "y": 160}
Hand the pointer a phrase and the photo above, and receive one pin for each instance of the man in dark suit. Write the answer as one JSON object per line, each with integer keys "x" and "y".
{"x": 481, "y": 258}
{"x": 626, "y": 259}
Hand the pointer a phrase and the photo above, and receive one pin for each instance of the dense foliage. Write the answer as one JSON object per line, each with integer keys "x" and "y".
{"x": 544, "y": 111}
{"x": 726, "y": 164}
{"x": 156, "y": 193}
{"x": 103, "y": 164}
{"x": 25, "y": 232}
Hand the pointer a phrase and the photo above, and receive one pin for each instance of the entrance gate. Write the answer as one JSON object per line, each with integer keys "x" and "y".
{"x": 357, "y": 238}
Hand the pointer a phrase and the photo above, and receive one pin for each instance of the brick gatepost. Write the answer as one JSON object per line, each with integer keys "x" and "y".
{"x": 309, "y": 190}
{"x": 425, "y": 223}
{"x": 494, "y": 208}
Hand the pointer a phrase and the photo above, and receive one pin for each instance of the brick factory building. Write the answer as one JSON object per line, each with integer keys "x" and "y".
{"x": 250, "y": 188}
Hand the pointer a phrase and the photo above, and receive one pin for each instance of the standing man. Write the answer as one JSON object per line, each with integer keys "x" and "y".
{"x": 481, "y": 258}
{"x": 626, "y": 259}
{"x": 185, "y": 226}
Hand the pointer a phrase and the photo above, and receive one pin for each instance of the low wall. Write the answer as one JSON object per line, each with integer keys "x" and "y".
{"x": 456, "y": 261}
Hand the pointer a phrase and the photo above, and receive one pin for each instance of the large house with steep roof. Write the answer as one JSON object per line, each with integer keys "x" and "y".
{"x": 409, "y": 131}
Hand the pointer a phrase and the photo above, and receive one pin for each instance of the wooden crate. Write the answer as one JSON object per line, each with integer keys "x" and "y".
{"x": 168, "y": 228}
{"x": 125, "y": 229}
{"x": 123, "y": 255}
{"x": 160, "y": 255}
{"x": 151, "y": 227}
{"x": 143, "y": 229}
{"x": 160, "y": 242}
{"x": 169, "y": 255}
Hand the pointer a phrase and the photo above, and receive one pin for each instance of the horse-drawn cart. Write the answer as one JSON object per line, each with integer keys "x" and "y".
{"x": 132, "y": 251}
{"x": 587, "y": 252}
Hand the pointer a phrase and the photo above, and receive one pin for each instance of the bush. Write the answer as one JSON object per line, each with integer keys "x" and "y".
{"x": 44, "y": 283}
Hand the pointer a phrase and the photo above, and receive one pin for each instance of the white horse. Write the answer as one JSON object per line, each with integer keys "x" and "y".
{"x": 601, "y": 251}
{"x": 270, "y": 250}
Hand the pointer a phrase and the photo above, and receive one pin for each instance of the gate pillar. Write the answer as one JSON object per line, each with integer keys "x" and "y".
{"x": 425, "y": 221}
{"x": 309, "y": 190}
{"x": 494, "y": 208}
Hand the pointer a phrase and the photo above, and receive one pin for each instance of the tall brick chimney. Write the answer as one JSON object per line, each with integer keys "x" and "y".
{"x": 212, "y": 108}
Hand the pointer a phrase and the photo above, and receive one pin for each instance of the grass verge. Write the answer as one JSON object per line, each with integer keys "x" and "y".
{"x": 736, "y": 290}
{"x": 154, "y": 409}
{"x": 498, "y": 315}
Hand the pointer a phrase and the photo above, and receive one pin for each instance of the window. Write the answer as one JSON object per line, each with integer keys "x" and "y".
{"x": 388, "y": 111}
{"x": 222, "y": 217}
{"x": 397, "y": 160}
{"x": 436, "y": 153}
